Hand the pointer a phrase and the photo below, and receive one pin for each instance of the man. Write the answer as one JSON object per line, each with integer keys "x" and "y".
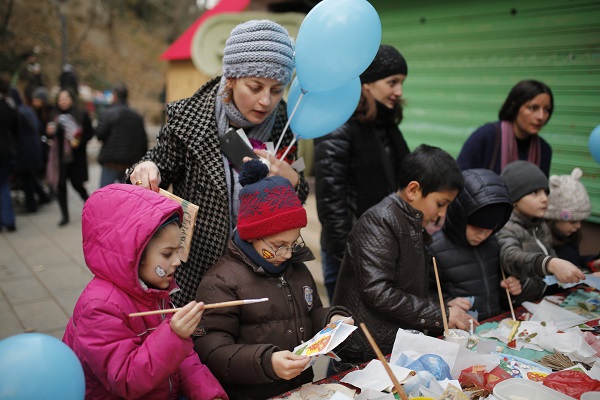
{"x": 124, "y": 138}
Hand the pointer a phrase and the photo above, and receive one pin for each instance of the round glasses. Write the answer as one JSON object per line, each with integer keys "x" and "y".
{"x": 283, "y": 250}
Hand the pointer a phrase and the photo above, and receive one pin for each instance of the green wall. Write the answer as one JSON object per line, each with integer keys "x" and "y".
{"x": 464, "y": 57}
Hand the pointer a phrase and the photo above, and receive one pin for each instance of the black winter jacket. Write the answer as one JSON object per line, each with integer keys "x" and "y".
{"x": 123, "y": 135}
{"x": 467, "y": 270}
{"x": 237, "y": 343}
{"x": 356, "y": 166}
{"x": 384, "y": 278}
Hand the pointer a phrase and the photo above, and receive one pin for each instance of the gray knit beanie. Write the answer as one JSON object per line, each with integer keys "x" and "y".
{"x": 568, "y": 200}
{"x": 521, "y": 178}
{"x": 259, "y": 48}
{"x": 387, "y": 62}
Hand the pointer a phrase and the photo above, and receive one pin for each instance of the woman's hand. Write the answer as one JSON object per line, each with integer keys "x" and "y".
{"x": 278, "y": 167}
{"x": 337, "y": 317}
{"x": 461, "y": 302}
{"x": 288, "y": 365}
{"x": 513, "y": 285}
{"x": 186, "y": 320}
{"x": 147, "y": 175}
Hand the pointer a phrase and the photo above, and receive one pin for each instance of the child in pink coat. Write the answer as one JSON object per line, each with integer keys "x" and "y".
{"x": 131, "y": 239}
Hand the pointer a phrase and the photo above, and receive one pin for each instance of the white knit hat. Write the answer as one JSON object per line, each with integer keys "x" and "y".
{"x": 568, "y": 199}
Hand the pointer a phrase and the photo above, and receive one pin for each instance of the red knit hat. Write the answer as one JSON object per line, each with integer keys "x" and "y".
{"x": 268, "y": 205}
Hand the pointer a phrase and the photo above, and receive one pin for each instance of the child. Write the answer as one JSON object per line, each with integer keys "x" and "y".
{"x": 384, "y": 277}
{"x": 248, "y": 347}
{"x": 130, "y": 243}
{"x": 525, "y": 241}
{"x": 568, "y": 205}
{"x": 466, "y": 249}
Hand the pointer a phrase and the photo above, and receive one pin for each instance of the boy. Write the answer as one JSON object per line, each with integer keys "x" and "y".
{"x": 384, "y": 276}
{"x": 525, "y": 241}
{"x": 466, "y": 249}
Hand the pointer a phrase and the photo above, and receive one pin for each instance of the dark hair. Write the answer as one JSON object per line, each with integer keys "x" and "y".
{"x": 121, "y": 93}
{"x": 4, "y": 83}
{"x": 366, "y": 111}
{"x": 521, "y": 93}
{"x": 433, "y": 168}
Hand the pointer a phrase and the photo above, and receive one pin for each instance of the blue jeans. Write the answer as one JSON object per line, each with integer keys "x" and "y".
{"x": 331, "y": 268}
{"x": 7, "y": 213}
{"x": 110, "y": 175}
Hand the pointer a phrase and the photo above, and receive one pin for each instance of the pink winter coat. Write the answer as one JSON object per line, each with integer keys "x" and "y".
{"x": 123, "y": 357}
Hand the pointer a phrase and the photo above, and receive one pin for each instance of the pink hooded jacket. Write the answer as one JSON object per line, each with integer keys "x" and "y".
{"x": 123, "y": 357}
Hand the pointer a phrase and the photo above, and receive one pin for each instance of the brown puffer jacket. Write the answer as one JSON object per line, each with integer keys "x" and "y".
{"x": 384, "y": 278}
{"x": 236, "y": 343}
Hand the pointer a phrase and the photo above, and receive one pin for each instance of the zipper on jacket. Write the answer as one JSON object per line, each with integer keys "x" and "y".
{"x": 485, "y": 281}
{"x": 291, "y": 300}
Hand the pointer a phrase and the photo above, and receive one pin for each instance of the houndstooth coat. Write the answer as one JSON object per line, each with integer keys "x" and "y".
{"x": 188, "y": 155}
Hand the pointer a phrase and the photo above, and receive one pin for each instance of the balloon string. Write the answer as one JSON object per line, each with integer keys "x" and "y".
{"x": 287, "y": 124}
{"x": 289, "y": 147}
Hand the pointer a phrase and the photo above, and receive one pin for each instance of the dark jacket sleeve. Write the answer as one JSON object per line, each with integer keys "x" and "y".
{"x": 477, "y": 151}
{"x": 332, "y": 167}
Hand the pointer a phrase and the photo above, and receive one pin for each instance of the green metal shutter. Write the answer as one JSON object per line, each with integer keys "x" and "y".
{"x": 464, "y": 57}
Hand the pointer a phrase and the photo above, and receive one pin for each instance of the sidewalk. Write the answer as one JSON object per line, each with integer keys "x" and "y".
{"x": 42, "y": 270}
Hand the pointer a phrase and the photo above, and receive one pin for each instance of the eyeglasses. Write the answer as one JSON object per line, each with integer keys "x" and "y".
{"x": 283, "y": 250}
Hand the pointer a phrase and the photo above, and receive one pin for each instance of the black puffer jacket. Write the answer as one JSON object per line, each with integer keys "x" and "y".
{"x": 123, "y": 135}
{"x": 356, "y": 166}
{"x": 384, "y": 278}
{"x": 237, "y": 343}
{"x": 466, "y": 270}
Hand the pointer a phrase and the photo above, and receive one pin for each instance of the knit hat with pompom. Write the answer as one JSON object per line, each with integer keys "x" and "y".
{"x": 268, "y": 204}
{"x": 568, "y": 199}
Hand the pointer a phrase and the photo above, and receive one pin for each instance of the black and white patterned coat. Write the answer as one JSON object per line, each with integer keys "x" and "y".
{"x": 189, "y": 157}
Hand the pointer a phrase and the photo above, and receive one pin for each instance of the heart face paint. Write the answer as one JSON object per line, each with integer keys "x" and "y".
{"x": 160, "y": 272}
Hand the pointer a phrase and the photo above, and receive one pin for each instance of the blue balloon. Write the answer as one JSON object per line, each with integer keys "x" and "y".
{"x": 336, "y": 42}
{"x": 35, "y": 366}
{"x": 594, "y": 144}
{"x": 320, "y": 113}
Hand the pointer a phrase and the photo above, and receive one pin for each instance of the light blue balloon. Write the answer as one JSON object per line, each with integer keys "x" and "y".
{"x": 35, "y": 366}
{"x": 320, "y": 113}
{"x": 336, "y": 42}
{"x": 594, "y": 144}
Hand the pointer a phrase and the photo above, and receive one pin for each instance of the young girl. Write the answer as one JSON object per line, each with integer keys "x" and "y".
{"x": 131, "y": 238}
{"x": 525, "y": 241}
{"x": 248, "y": 347}
{"x": 568, "y": 205}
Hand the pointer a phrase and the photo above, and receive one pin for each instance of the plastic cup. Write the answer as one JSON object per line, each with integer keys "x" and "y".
{"x": 457, "y": 336}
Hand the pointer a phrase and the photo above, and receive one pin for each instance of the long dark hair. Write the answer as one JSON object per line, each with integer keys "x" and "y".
{"x": 366, "y": 111}
{"x": 521, "y": 93}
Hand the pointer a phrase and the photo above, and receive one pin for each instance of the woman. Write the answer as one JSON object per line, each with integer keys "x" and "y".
{"x": 67, "y": 159}
{"x": 257, "y": 65}
{"x": 525, "y": 111}
{"x": 356, "y": 166}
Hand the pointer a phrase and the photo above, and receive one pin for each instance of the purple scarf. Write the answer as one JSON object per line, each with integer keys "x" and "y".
{"x": 509, "y": 150}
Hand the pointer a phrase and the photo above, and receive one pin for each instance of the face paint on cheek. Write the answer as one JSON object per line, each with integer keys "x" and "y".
{"x": 267, "y": 255}
{"x": 160, "y": 272}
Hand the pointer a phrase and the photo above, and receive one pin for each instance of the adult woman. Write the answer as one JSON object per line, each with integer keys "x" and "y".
{"x": 67, "y": 159}
{"x": 525, "y": 111}
{"x": 257, "y": 64}
{"x": 356, "y": 166}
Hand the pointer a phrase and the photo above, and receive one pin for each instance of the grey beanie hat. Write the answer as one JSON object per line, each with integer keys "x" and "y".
{"x": 41, "y": 93}
{"x": 568, "y": 200}
{"x": 259, "y": 48}
{"x": 521, "y": 178}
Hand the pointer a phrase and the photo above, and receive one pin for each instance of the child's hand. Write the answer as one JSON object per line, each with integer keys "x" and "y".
{"x": 288, "y": 365}
{"x": 186, "y": 320}
{"x": 565, "y": 271}
{"x": 337, "y": 317}
{"x": 459, "y": 319}
{"x": 460, "y": 302}
{"x": 513, "y": 284}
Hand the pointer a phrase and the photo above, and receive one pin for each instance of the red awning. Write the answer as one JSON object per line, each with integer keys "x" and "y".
{"x": 181, "y": 48}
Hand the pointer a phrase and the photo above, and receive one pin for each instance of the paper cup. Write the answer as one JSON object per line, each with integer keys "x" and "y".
{"x": 457, "y": 336}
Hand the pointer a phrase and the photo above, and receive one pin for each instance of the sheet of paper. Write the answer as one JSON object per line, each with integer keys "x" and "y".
{"x": 546, "y": 311}
{"x": 375, "y": 377}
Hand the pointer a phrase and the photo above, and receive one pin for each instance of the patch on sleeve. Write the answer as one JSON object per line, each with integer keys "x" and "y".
{"x": 200, "y": 331}
{"x": 308, "y": 296}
